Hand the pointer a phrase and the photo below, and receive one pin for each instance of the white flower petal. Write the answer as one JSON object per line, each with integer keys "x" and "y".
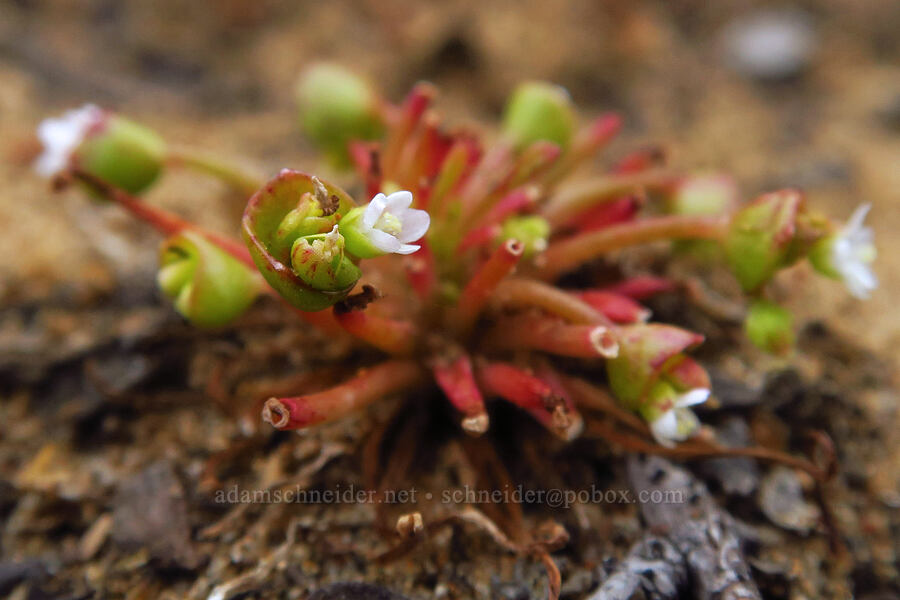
{"x": 855, "y": 221}
{"x": 374, "y": 210}
{"x": 61, "y": 136}
{"x": 665, "y": 428}
{"x": 383, "y": 240}
{"x": 692, "y": 397}
{"x": 398, "y": 201}
{"x": 415, "y": 224}
{"x": 852, "y": 251}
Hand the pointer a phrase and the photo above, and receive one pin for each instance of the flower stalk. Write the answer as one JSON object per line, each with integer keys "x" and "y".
{"x": 566, "y": 254}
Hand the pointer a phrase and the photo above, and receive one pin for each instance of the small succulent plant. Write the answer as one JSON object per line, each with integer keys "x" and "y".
{"x": 484, "y": 231}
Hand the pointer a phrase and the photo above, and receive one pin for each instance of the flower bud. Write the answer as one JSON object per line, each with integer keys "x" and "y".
{"x": 209, "y": 287}
{"x": 707, "y": 194}
{"x": 335, "y": 107}
{"x": 277, "y": 217}
{"x": 539, "y": 111}
{"x": 319, "y": 260}
{"x": 770, "y": 327}
{"x": 533, "y": 231}
{"x": 384, "y": 226}
{"x": 761, "y": 237}
{"x": 668, "y": 412}
{"x": 652, "y": 352}
{"x": 847, "y": 254}
{"x": 103, "y": 144}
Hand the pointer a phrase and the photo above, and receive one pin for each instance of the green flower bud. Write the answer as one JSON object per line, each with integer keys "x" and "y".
{"x": 761, "y": 238}
{"x": 533, "y": 231}
{"x": 319, "y": 260}
{"x": 669, "y": 414}
{"x": 648, "y": 353}
{"x": 770, "y": 327}
{"x": 698, "y": 195}
{"x": 103, "y": 144}
{"x": 539, "y": 111}
{"x": 279, "y": 215}
{"x": 336, "y": 106}
{"x": 209, "y": 287}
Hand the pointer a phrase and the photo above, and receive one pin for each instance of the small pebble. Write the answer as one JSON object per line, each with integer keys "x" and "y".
{"x": 781, "y": 499}
{"x": 770, "y": 45}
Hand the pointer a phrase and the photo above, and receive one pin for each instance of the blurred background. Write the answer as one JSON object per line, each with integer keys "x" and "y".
{"x": 800, "y": 93}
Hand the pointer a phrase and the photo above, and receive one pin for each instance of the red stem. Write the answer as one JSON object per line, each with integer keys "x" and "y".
{"x": 367, "y": 386}
{"x": 528, "y": 293}
{"x": 616, "y": 307}
{"x": 390, "y": 335}
{"x": 456, "y": 378}
{"x": 500, "y": 264}
{"x": 414, "y": 106}
{"x": 641, "y": 159}
{"x": 515, "y": 202}
{"x": 606, "y": 215}
{"x": 525, "y": 390}
{"x": 642, "y": 287}
{"x": 161, "y": 220}
{"x": 569, "y": 203}
{"x": 538, "y": 332}
{"x": 587, "y": 142}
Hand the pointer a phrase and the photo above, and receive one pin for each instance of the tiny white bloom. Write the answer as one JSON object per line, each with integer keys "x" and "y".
{"x": 853, "y": 251}
{"x": 390, "y": 224}
{"x": 679, "y": 422}
{"x": 61, "y": 136}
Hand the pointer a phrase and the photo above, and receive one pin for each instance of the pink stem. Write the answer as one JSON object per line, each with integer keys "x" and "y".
{"x": 456, "y": 378}
{"x": 567, "y": 204}
{"x": 367, "y": 386}
{"x": 605, "y": 215}
{"x": 642, "y": 287}
{"x": 414, "y": 106}
{"x": 587, "y": 142}
{"x": 500, "y": 264}
{"x": 538, "y": 332}
{"x": 452, "y": 171}
{"x": 616, "y": 307}
{"x": 516, "y": 201}
{"x": 390, "y": 335}
{"x": 566, "y": 254}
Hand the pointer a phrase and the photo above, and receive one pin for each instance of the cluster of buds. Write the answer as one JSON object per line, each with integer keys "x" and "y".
{"x": 484, "y": 234}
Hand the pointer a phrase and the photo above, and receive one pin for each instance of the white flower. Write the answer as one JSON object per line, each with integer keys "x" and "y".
{"x": 852, "y": 251}
{"x": 61, "y": 136}
{"x": 390, "y": 224}
{"x": 678, "y": 422}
